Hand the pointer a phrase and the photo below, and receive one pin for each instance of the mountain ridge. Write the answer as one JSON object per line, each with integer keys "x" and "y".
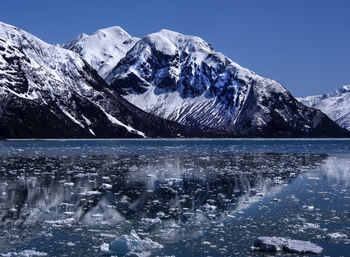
{"x": 181, "y": 78}
{"x": 47, "y": 91}
{"x": 335, "y": 105}
{"x": 50, "y": 91}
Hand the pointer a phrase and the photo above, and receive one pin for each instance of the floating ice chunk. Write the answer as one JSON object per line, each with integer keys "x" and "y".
{"x": 308, "y": 207}
{"x": 105, "y": 186}
{"x": 61, "y": 222}
{"x": 301, "y": 247}
{"x": 97, "y": 215}
{"x": 68, "y": 213}
{"x": 104, "y": 248}
{"x": 80, "y": 175}
{"x": 336, "y": 235}
{"x": 268, "y": 244}
{"x": 68, "y": 184}
{"x": 151, "y": 221}
{"x": 90, "y": 193}
{"x": 274, "y": 244}
{"x": 308, "y": 225}
{"x": 25, "y": 253}
{"x": 209, "y": 208}
{"x": 127, "y": 244}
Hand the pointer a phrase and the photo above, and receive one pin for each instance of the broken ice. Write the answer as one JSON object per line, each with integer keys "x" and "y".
{"x": 129, "y": 244}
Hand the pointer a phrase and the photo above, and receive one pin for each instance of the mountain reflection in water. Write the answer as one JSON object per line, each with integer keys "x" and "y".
{"x": 140, "y": 192}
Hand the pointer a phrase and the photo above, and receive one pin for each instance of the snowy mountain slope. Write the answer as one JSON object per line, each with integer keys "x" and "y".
{"x": 181, "y": 78}
{"x": 48, "y": 91}
{"x": 103, "y": 49}
{"x": 336, "y": 105}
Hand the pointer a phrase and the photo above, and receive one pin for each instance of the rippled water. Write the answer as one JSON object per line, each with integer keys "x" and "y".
{"x": 195, "y": 197}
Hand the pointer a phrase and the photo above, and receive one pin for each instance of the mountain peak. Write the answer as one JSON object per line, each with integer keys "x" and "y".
{"x": 345, "y": 89}
{"x": 104, "y": 48}
{"x": 178, "y": 40}
{"x": 114, "y": 31}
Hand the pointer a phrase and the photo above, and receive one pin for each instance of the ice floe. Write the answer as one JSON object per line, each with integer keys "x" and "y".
{"x": 105, "y": 186}
{"x": 25, "y": 253}
{"x": 336, "y": 235}
{"x": 274, "y": 244}
{"x": 127, "y": 244}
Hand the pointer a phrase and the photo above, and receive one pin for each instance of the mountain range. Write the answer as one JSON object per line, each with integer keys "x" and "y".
{"x": 47, "y": 91}
{"x": 110, "y": 84}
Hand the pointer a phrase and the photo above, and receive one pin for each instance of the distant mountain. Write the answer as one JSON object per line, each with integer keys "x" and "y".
{"x": 50, "y": 92}
{"x": 181, "y": 78}
{"x": 336, "y": 105}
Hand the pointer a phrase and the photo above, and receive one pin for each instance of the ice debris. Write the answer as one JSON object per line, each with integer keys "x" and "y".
{"x": 90, "y": 193}
{"x": 336, "y": 235}
{"x": 61, "y": 222}
{"x": 105, "y": 186}
{"x": 25, "y": 253}
{"x": 274, "y": 244}
{"x": 127, "y": 244}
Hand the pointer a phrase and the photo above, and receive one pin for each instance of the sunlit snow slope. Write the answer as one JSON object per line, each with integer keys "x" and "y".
{"x": 103, "y": 49}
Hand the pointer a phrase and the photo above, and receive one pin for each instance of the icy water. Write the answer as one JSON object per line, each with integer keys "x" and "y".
{"x": 195, "y": 197}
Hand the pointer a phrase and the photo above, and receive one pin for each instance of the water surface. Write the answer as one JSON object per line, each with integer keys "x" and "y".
{"x": 195, "y": 197}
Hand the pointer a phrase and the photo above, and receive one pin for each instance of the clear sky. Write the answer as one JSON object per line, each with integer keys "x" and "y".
{"x": 304, "y": 44}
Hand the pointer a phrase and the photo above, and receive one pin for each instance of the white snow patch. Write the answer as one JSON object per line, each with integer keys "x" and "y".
{"x": 119, "y": 123}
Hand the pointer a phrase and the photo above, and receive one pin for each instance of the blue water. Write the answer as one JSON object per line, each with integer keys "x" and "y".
{"x": 195, "y": 197}
{"x": 174, "y": 146}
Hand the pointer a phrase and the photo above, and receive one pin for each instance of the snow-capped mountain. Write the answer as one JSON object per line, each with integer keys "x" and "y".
{"x": 181, "y": 78}
{"x": 336, "y": 105}
{"x": 103, "y": 49}
{"x": 48, "y": 91}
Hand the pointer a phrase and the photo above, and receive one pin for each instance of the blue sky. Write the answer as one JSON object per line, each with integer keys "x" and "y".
{"x": 304, "y": 44}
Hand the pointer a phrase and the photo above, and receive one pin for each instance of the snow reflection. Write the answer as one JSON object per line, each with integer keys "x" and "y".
{"x": 168, "y": 197}
{"x": 338, "y": 169}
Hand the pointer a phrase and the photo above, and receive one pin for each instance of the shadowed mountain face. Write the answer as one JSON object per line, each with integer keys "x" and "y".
{"x": 50, "y": 92}
{"x": 182, "y": 78}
